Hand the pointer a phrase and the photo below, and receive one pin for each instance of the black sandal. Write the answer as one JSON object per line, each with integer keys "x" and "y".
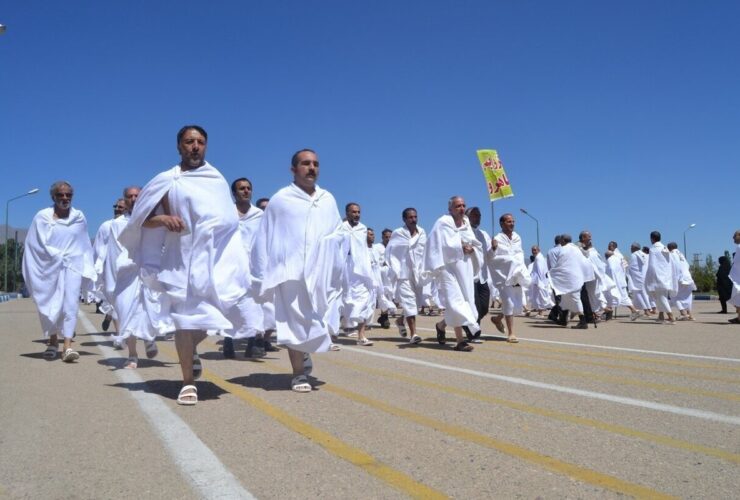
{"x": 463, "y": 346}
{"x": 441, "y": 339}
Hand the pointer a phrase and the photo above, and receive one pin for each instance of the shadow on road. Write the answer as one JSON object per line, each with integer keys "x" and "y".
{"x": 40, "y": 355}
{"x": 171, "y": 388}
{"x": 270, "y": 381}
{"x": 117, "y": 363}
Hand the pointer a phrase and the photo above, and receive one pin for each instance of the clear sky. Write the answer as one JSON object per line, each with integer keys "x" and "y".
{"x": 618, "y": 117}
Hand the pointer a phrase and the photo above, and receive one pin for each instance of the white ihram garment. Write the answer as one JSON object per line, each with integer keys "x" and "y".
{"x": 615, "y": 269}
{"x": 454, "y": 271}
{"x": 660, "y": 278}
{"x": 540, "y": 291}
{"x": 100, "y": 250}
{"x": 57, "y": 257}
{"x": 636, "y": 273}
{"x": 142, "y": 307}
{"x": 253, "y": 313}
{"x": 508, "y": 269}
{"x": 295, "y": 261}
{"x": 405, "y": 256}
{"x": 204, "y": 270}
{"x": 683, "y": 300}
{"x": 568, "y": 274}
{"x": 385, "y": 289}
{"x": 359, "y": 281}
{"x": 735, "y": 277}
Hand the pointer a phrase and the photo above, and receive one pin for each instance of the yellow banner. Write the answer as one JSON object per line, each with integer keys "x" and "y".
{"x": 496, "y": 181}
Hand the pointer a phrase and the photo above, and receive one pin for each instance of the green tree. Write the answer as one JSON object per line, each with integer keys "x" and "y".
{"x": 705, "y": 276}
{"x": 13, "y": 252}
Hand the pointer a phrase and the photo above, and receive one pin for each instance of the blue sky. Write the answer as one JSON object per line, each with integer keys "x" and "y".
{"x": 618, "y": 117}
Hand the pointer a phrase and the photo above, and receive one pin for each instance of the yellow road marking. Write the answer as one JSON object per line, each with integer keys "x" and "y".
{"x": 552, "y": 464}
{"x": 616, "y": 429}
{"x": 335, "y": 446}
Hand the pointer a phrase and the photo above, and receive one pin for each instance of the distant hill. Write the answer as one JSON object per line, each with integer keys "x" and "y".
{"x": 11, "y": 233}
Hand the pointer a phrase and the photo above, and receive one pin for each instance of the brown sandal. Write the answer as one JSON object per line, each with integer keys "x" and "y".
{"x": 463, "y": 346}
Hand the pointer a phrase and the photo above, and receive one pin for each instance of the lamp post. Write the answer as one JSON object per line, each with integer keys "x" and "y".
{"x": 535, "y": 221}
{"x": 7, "y": 208}
{"x": 684, "y": 237}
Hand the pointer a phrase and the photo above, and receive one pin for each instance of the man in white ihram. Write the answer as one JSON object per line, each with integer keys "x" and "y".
{"x": 204, "y": 271}
{"x": 58, "y": 255}
{"x": 453, "y": 257}
{"x": 509, "y": 273}
{"x": 286, "y": 269}
{"x": 660, "y": 280}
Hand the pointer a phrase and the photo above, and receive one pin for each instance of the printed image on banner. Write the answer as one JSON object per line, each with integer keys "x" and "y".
{"x": 493, "y": 170}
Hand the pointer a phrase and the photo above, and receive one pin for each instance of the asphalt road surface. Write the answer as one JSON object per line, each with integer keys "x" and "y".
{"x": 628, "y": 409}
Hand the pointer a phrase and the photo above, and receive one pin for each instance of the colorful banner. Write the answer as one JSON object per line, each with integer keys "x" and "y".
{"x": 496, "y": 181}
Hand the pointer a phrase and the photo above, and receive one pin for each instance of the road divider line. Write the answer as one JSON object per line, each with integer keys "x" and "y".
{"x": 534, "y": 410}
{"x": 196, "y": 462}
{"x": 611, "y": 348}
{"x": 676, "y": 410}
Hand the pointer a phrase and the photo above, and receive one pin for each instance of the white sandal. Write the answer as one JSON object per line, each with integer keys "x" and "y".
{"x": 300, "y": 384}
{"x": 70, "y": 355}
{"x": 188, "y": 391}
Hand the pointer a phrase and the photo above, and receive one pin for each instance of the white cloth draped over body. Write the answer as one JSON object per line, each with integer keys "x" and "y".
{"x": 735, "y": 277}
{"x": 57, "y": 258}
{"x": 636, "y": 271}
{"x": 615, "y": 269}
{"x": 385, "y": 289}
{"x": 296, "y": 264}
{"x": 603, "y": 287}
{"x": 508, "y": 269}
{"x": 405, "y": 256}
{"x": 204, "y": 270}
{"x": 660, "y": 280}
{"x": 540, "y": 290}
{"x": 359, "y": 280}
{"x": 253, "y": 313}
{"x": 570, "y": 271}
{"x": 684, "y": 282}
{"x": 100, "y": 250}
{"x": 140, "y": 302}
{"x": 453, "y": 270}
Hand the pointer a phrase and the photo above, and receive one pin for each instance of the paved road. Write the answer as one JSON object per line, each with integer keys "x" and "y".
{"x": 629, "y": 409}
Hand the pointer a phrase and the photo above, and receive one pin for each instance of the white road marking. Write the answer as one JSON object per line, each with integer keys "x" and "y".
{"x": 197, "y": 463}
{"x": 677, "y": 410}
{"x": 610, "y": 348}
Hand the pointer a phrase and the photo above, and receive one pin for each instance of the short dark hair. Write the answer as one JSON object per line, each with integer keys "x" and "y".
{"x": 655, "y": 236}
{"x": 261, "y": 201}
{"x": 565, "y": 239}
{"x": 294, "y": 159}
{"x": 582, "y": 234}
{"x": 371, "y": 229}
{"x": 346, "y": 207}
{"x": 672, "y": 245}
{"x": 200, "y": 129}
{"x": 613, "y": 243}
{"x": 406, "y": 211}
{"x": 467, "y": 212}
{"x": 386, "y": 230}
{"x": 558, "y": 238}
{"x": 240, "y": 179}
{"x": 507, "y": 214}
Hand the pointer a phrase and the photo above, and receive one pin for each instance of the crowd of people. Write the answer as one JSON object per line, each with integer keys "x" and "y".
{"x": 179, "y": 258}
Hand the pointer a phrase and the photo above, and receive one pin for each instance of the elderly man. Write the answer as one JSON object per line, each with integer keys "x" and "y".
{"x": 453, "y": 257}
{"x": 509, "y": 273}
{"x": 405, "y": 256}
{"x": 141, "y": 311}
{"x": 293, "y": 264}
{"x": 660, "y": 278}
{"x": 204, "y": 272}
{"x": 58, "y": 256}
{"x": 735, "y": 277}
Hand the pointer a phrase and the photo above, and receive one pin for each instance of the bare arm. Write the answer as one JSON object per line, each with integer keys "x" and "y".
{"x": 171, "y": 222}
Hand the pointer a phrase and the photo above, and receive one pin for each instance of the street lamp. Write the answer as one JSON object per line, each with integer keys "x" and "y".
{"x": 7, "y": 208}
{"x": 684, "y": 239}
{"x": 536, "y": 222}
